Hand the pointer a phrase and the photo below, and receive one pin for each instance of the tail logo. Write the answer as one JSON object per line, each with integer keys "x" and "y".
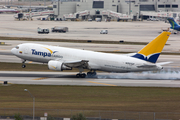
{"x": 150, "y": 58}
{"x": 172, "y": 22}
{"x": 152, "y": 51}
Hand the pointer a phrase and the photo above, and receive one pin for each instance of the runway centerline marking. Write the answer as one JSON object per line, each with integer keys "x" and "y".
{"x": 101, "y": 83}
{"x": 41, "y": 78}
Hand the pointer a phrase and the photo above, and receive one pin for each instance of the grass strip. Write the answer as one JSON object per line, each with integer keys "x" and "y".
{"x": 17, "y": 67}
{"x": 29, "y": 67}
{"x": 137, "y": 99}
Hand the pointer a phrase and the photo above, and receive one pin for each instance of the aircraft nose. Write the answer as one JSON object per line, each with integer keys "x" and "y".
{"x": 13, "y": 51}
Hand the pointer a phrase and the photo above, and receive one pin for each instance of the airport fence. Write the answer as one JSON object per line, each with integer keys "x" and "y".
{"x": 58, "y": 114}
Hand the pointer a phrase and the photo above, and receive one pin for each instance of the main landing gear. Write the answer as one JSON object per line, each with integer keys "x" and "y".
{"x": 83, "y": 75}
{"x": 23, "y": 65}
{"x": 80, "y": 74}
{"x": 91, "y": 74}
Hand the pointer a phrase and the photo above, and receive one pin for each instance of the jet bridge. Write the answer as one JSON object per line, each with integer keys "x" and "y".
{"x": 157, "y": 14}
{"x": 32, "y": 14}
{"x": 76, "y": 15}
{"x": 175, "y": 15}
{"x": 105, "y": 13}
{"x": 116, "y": 15}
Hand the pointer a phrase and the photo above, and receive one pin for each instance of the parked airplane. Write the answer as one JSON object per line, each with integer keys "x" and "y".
{"x": 9, "y": 11}
{"x": 174, "y": 25}
{"x": 61, "y": 58}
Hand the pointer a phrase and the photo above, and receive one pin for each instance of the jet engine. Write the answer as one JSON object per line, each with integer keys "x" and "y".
{"x": 57, "y": 65}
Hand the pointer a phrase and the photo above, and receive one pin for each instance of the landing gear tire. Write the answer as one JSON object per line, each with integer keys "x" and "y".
{"x": 23, "y": 66}
{"x": 91, "y": 74}
{"x": 81, "y": 75}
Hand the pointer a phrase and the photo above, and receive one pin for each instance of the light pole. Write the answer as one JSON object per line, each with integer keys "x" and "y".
{"x": 30, "y": 4}
{"x": 129, "y": 7}
{"x": 44, "y": 2}
{"x": 129, "y": 2}
{"x": 26, "y": 90}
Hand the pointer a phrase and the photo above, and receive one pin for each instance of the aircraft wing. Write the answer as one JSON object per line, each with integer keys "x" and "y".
{"x": 77, "y": 63}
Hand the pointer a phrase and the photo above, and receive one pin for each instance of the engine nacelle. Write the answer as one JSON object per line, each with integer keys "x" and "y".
{"x": 57, "y": 65}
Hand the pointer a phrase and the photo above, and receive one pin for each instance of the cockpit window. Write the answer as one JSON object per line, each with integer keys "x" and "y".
{"x": 17, "y": 47}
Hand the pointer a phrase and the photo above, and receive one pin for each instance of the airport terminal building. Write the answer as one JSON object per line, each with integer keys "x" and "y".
{"x": 96, "y": 8}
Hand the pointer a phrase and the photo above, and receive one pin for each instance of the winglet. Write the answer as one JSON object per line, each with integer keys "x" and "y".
{"x": 152, "y": 51}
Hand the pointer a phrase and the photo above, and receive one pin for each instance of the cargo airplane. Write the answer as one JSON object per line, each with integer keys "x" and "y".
{"x": 61, "y": 58}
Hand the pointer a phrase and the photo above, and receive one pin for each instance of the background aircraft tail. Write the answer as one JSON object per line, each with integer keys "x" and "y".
{"x": 172, "y": 22}
{"x": 152, "y": 51}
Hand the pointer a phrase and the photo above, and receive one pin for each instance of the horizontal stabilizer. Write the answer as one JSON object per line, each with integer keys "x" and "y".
{"x": 146, "y": 66}
{"x": 163, "y": 63}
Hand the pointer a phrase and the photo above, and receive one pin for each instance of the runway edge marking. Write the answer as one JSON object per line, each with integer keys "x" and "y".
{"x": 41, "y": 78}
{"x": 101, "y": 83}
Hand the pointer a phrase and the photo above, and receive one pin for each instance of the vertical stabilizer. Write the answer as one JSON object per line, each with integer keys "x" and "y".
{"x": 152, "y": 51}
{"x": 172, "y": 22}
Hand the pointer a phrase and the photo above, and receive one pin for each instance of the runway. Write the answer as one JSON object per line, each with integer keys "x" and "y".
{"x": 145, "y": 79}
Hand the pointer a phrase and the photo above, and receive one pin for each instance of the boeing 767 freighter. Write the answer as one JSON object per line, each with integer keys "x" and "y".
{"x": 61, "y": 58}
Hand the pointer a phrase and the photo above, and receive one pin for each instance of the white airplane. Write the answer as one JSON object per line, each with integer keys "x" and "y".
{"x": 60, "y": 58}
{"x": 8, "y": 10}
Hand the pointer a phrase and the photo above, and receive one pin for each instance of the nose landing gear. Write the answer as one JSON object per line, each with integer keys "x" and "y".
{"x": 23, "y": 65}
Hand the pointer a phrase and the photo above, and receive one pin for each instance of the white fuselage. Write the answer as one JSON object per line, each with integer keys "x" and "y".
{"x": 97, "y": 60}
{"x": 8, "y": 10}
